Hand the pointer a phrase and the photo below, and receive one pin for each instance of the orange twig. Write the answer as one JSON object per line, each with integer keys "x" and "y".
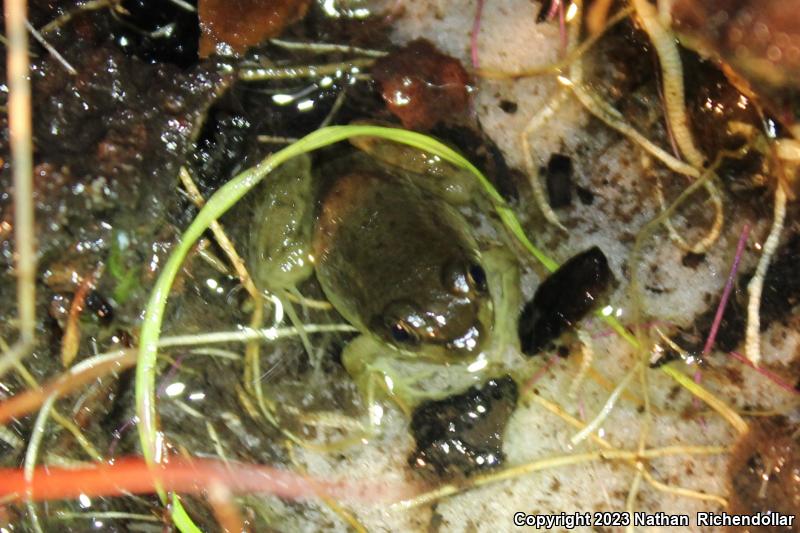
{"x": 25, "y": 402}
{"x": 132, "y": 475}
{"x": 71, "y": 340}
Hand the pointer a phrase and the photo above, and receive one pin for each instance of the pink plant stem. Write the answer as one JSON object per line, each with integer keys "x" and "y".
{"x": 551, "y": 13}
{"x": 726, "y": 293}
{"x": 723, "y": 302}
{"x": 476, "y": 28}
{"x": 776, "y": 379}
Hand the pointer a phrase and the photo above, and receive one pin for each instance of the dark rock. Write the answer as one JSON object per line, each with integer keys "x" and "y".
{"x": 692, "y": 260}
{"x": 563, "y": 299}
{"x": 157, "y": 31}
{"x": 508, "y": 106}
{"x": 558, "y": 178}
{"x": 585, "y": 195}
{"x": 463, "y": 434}
{"x": 100, "y": 306}
{"x": 717, "y": 112}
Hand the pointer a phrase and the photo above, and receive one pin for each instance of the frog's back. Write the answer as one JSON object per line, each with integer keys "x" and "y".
{"x": 383, "y": 249}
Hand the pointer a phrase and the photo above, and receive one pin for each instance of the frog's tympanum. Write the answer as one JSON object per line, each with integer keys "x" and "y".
{"x": 435, "y": 304}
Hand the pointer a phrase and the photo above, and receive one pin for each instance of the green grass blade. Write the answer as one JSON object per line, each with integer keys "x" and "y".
{"x": 227, "y": 196}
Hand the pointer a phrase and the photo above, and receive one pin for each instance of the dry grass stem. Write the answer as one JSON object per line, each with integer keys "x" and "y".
{"x": 754, "y": 288}
{"x": 21, "y": 134}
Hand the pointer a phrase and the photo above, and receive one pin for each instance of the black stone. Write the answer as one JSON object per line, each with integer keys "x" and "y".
{"x": 100, "y": 306}
{"x": 157, "y": 31}
{"x": 585, "y": 195}
{"x": 508, "y": 106}
{"x": 558, "y": 178}
{"x": 692, "y": 260}
{"x": 563, "y": 299}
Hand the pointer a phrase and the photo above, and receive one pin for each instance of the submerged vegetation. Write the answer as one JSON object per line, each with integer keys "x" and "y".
{"x": 138, "y": 162}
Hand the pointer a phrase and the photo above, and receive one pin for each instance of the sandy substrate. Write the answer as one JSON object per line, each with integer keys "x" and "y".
{"x": 618, "y": 175}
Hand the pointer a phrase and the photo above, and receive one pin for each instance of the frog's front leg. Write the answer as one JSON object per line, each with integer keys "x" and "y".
{"x": 379, "y": 372}
{"x": 502, "y": 268}
{"x": 359, "y": 358}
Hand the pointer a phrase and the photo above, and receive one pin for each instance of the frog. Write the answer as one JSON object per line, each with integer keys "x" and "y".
{"x": 386, "y": 234}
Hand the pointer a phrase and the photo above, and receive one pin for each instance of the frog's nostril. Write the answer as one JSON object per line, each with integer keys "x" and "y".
{"x": 469, "y": 342}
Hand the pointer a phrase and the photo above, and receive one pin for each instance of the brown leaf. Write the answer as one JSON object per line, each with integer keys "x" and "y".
{"x": 241, "y": 24}
{"x": 421, "y": 85}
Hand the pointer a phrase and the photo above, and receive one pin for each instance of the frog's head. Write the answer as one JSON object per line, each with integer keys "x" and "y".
{"x": 444, "y": 314}
{"x": 403, "y": 267}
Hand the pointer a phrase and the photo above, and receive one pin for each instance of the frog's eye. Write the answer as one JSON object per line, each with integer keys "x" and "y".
{"x": 476, "y": 277}
{"x": 402, "y": 333}
{"x": 399, "y": 323}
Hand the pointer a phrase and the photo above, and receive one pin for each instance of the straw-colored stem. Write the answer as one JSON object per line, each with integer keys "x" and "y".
{"x": 754, "y": 289}
{"x": 21, "y": 133}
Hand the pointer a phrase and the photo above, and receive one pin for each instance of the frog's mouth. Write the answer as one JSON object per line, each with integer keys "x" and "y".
{"x": 430, "y": 335}
{"x": 470, "y": 342}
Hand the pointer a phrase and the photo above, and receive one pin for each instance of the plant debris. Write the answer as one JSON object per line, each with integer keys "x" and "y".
{"x": 109, "y": 144}
{"x": 764, "y": 472}
{"x": 422, "y": 86}
{"x": 236, "y": 25}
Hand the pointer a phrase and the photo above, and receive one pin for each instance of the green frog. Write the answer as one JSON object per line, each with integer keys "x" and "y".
{"x": 435, "y": 302}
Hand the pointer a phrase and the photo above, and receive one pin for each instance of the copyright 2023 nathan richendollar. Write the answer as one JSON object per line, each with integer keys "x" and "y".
{"x": 599, "y": 519}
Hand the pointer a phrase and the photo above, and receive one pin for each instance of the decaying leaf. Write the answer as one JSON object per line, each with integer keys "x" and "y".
{"x": 240, "y": 24}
